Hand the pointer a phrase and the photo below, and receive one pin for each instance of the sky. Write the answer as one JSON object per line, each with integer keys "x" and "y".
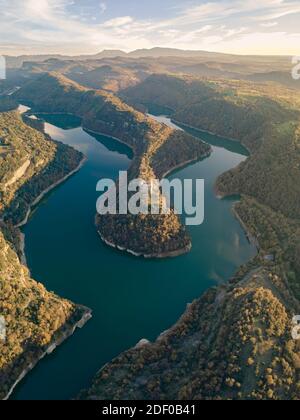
{"x": 89, "y": 26}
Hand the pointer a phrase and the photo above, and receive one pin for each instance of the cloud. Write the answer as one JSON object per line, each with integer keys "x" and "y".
{"x": 227, "y": 25}
{"x": 118, "y": 22}
{"x": 103, "y": 7}
{"x": 279, "y": 8}
{"x": 269, "y": 24}
{"x": 272, "y": 43}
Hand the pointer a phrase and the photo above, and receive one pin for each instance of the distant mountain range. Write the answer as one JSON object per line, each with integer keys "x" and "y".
{"x": 16, "y": 62}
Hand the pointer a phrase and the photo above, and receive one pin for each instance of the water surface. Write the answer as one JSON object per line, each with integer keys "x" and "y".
{"x": 131, "y": 298}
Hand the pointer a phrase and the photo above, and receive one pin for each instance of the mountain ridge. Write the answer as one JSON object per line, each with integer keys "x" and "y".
{"x": 156, "y": 52}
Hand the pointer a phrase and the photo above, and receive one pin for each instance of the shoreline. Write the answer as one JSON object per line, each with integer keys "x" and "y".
{"x": 88, "y": 130}
{"x": 31, "y": 111}
{"x": 212, "y": 133}
{"x": 252, "y": 239}
{"x": 144, "y": 342}
{"x": 98, "y": 133}
{"x": 201, "y": 130}
{"x": 24, "y": 222}
{"x": 219, "y": 195}
{"x": 222, "y": 195}
{"x": 23, "y": 258}
{"x": 170, "y": 254}
{"x": 87, "y": 315}
{"x": 47, "y": 190}
{"x": 186, "y": 163}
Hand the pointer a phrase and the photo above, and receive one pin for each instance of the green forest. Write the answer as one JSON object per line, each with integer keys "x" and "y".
{"x": 235, "y": 342}
{"x": 34, "y": 318}
{"x": 157, "y": 149}
{"x": 30, "y": 162}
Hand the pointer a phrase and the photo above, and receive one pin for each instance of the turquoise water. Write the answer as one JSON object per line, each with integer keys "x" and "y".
{"x": 131, "y": 298}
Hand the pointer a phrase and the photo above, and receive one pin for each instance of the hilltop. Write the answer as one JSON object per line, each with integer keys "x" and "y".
{"x": 116, "y": 70}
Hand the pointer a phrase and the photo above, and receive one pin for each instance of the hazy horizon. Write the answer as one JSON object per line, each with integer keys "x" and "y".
{"x": 147, "y": 49}
{"x": 66, "y": 27}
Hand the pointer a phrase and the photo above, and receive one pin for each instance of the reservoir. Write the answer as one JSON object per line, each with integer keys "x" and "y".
{"x": 131, "y": 298}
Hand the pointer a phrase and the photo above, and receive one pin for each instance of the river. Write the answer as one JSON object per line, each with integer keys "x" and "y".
{"x": 131, "y": 298}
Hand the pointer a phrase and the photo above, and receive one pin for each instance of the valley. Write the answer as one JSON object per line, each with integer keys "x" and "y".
{"x": 72, "y": 245}
{"x": 235, "y": 278}
{"x": 249, "y": 319}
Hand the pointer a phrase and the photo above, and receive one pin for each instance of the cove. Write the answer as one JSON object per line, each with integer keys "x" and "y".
{"x": 131, "y": 298}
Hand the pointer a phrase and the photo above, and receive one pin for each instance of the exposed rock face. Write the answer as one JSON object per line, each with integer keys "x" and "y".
{"x": 18, "y": 174}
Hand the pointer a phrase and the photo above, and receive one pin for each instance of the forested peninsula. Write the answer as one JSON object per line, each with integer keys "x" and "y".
{"x": 157, "y": 149}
